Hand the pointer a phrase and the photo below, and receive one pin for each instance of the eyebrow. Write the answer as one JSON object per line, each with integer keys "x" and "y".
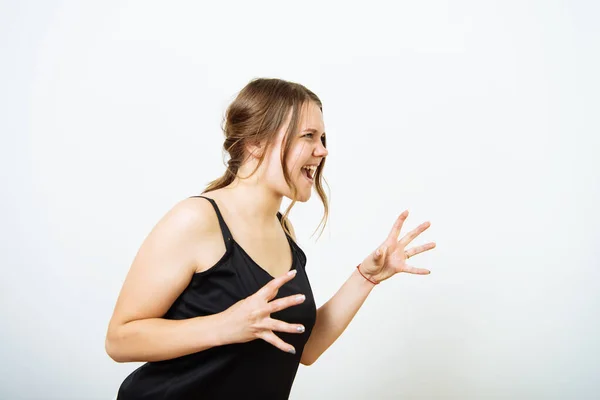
{"x": 312, "y": 130}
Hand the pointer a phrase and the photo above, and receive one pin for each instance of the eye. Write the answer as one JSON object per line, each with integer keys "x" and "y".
{"x": 311, "y": 135}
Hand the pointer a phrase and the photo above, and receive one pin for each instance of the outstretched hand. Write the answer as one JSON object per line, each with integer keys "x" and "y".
{"x": 390, "y": 257}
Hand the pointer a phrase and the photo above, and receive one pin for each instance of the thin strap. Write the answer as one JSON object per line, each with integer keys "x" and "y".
{"x": 286, "y": 225}
{"x": 281, "y": 216}
{"x": 224, "y": 228}
{"x": 296, "y": 250}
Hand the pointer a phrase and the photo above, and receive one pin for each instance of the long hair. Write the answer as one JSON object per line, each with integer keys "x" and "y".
{"x": 255, "y": 116}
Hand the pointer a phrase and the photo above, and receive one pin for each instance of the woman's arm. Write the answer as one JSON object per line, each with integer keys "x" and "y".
{"x": 161, "y": 270}
{"x": 389, "y": 259}
{"x": 157, "y": 339}
{"x": 334, "y": 316}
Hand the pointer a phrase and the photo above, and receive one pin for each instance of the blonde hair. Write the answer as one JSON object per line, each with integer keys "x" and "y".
{"x": 255, "y": 116}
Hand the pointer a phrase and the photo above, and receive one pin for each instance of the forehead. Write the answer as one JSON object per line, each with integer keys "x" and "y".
{"x": 311, "y": 118}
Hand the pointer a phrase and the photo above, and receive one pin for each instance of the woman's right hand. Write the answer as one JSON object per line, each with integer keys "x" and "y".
{"x": 250, "y": 318}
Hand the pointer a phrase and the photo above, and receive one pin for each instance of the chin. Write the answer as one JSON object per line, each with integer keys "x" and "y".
{"x": 303, "y": 195}
{"x": 303, "y": 199}
{"x": 304, "y": 191}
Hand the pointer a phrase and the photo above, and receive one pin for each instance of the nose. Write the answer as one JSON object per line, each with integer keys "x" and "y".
{"x": 321, "y": 151}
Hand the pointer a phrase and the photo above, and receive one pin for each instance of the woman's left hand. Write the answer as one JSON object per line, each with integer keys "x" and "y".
{"x": 390, "y": 257}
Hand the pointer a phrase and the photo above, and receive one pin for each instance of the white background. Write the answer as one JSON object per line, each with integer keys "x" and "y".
{"x": 479, "y": 116}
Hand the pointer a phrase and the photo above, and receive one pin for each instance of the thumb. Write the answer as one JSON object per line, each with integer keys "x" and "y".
{"x": 380, "y": 253}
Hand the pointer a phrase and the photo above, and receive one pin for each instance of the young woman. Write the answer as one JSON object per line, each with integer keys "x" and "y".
{"x": 217, "y": 301}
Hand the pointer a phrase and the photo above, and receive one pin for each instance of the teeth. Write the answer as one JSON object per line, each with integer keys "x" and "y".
{"x": 311, "y": 169}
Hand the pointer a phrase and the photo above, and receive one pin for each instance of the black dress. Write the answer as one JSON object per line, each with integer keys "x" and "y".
{"x": 252, "y": 370}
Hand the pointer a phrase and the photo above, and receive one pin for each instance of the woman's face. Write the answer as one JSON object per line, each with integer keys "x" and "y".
{"x": 305, "y": 155}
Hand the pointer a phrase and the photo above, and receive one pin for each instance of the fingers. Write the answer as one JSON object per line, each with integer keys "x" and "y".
{"x": 269, "y": 291}
{"x": 416, "y": 250}
{"x": 280, "y": 326}
{"x": 409, "y": 237}
{"x": 412, "y": 270}
{"x": 420, "y": 249}
{"x": 398, "y": 226}
{"x": 276, "y": 341}
{"x": 280, "y": 304}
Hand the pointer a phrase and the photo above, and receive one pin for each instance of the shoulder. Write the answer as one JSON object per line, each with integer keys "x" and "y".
{"x": 165, "y": 262}
{"x": 191, "y": 212}
{"x": 194, "y": 222}
{"x": 192, "y": 215}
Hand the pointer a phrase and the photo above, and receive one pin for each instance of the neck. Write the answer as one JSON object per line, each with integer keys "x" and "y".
{"x": 253, "y": 201}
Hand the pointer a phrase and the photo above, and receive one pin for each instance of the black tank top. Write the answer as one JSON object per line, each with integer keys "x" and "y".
{"x": 251, "y": 370}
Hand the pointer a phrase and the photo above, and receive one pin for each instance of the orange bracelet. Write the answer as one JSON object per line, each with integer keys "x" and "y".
{"x": 358, "y": 268}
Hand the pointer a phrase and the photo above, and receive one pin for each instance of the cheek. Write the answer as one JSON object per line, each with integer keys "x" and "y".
{"x": 297, "y": 157}
{"x": 294, "y": 165}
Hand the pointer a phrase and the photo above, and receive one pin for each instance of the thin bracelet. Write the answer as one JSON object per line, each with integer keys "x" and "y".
{"x": 358, "y": 268}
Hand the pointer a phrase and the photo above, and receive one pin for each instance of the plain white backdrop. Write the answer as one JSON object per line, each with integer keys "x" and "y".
{"x": 481, "y": 117}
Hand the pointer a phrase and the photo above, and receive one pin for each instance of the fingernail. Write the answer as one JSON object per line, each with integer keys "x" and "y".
{"x": 300, "y": 329}
{"x": 292, "y": 272}
{"x": 292, "y": 350}
{"x": 300, "y": 298}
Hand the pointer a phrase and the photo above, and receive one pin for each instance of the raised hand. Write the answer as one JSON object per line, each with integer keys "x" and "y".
{"x": 390, "y": 257}
{"x": 250, "y": 318}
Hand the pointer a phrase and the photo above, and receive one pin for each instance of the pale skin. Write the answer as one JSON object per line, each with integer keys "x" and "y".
{"x": 188, "y": 240}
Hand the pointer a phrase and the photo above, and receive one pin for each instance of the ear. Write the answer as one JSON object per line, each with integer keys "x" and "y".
{"x": 255, "y": 149}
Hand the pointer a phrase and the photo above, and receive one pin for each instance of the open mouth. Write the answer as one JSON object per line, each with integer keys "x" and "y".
{"x": 309, "y": 172}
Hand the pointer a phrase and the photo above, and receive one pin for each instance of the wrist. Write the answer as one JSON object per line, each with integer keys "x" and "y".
{"x": 367, "y": 276}
{"x": 221, "y": 332}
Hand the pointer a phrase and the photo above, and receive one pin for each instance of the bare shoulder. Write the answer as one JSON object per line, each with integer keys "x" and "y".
{"x": 166, "y": 261}
{"x": 188, "y": 223}
{"x": 205, "y": 229}
{"x": 193, "y": 214}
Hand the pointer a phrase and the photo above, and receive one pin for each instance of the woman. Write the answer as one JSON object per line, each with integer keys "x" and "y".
{"x": 221, "y": 270}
